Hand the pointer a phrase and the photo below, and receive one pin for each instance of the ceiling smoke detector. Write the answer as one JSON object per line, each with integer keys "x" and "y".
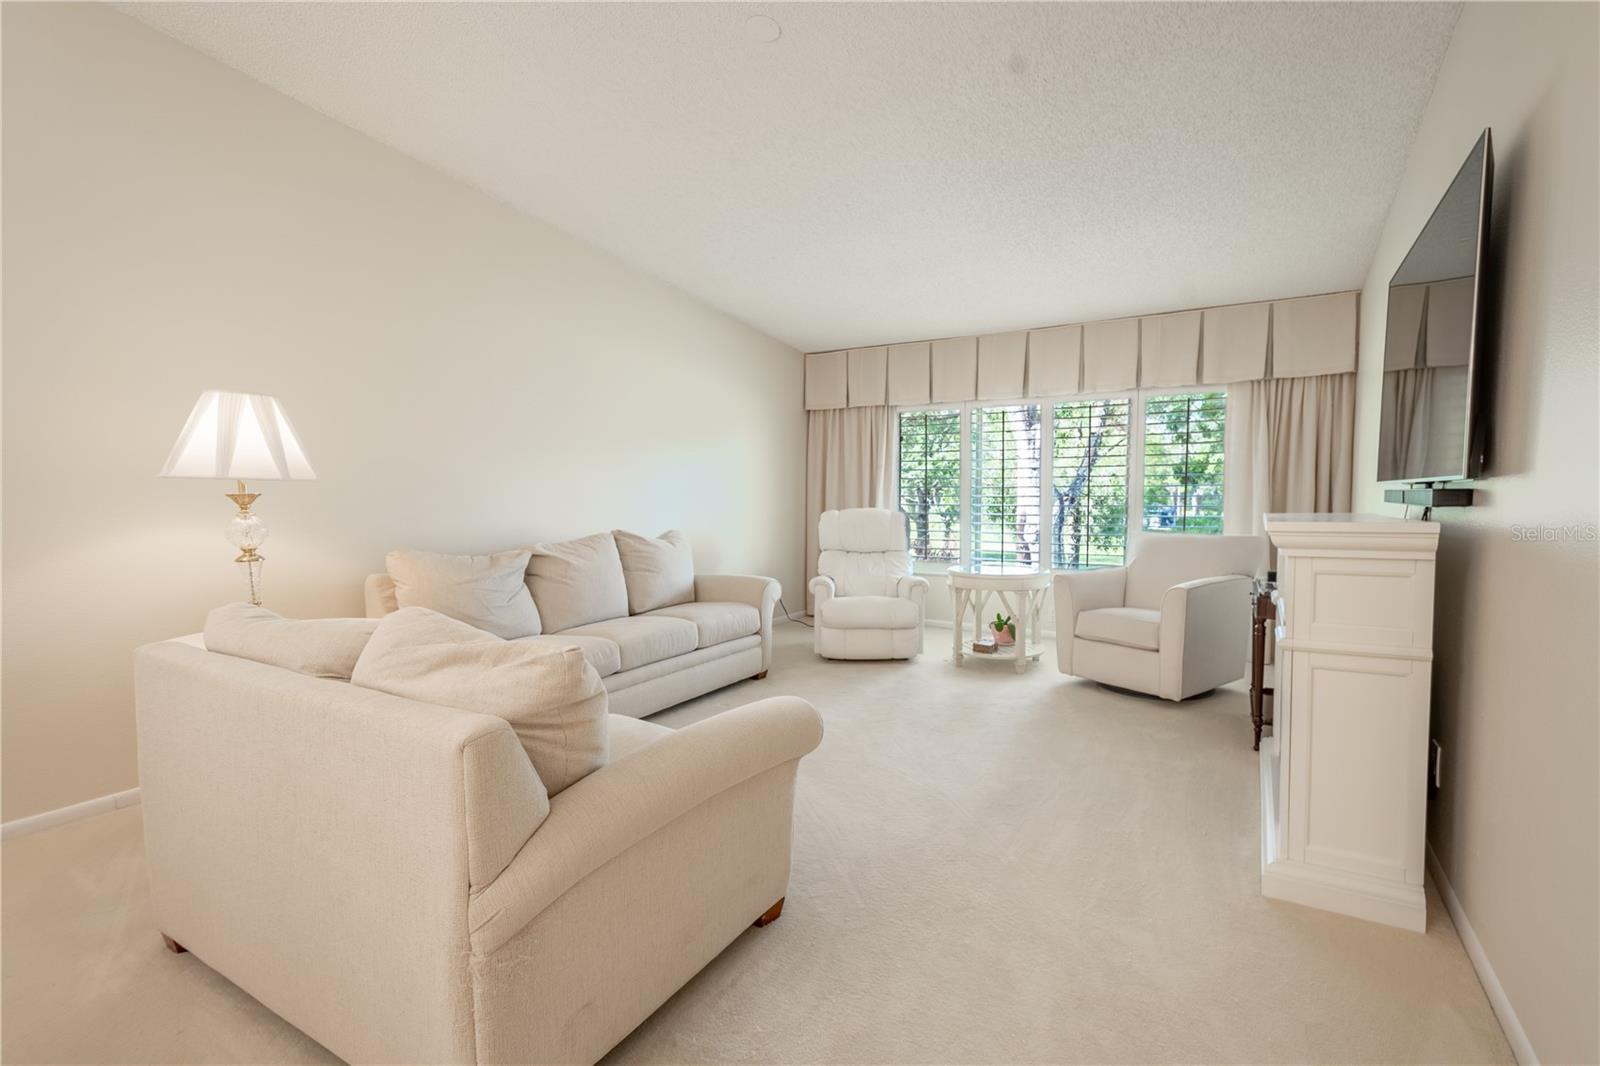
{"x": 763, "y": 28}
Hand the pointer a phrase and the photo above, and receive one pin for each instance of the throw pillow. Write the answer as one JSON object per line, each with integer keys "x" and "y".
{"x": 489, "y": 592}
{"x": 576, "y": 582}
{"x": 321, "y": 647}
{"x": 659, "y": 571}
{"x": 552, "y": 698}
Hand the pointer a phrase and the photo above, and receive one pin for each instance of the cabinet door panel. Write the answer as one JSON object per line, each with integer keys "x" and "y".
{"x": 1382, "y": 603}
{"x": 1360, "y": 729}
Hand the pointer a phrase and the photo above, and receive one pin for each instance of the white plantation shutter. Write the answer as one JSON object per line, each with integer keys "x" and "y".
{"x": 1183, "y": 462}
{"x": 1089, "y": 470}
{"x": 1005, "y": 471}
{"x": 929, "y": 487}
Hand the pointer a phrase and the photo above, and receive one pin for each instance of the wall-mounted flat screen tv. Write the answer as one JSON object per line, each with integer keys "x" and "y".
{"x": 1433, "y": 356}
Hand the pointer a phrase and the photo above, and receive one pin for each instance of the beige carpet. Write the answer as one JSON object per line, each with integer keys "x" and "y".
{"x": 987, "y": 868}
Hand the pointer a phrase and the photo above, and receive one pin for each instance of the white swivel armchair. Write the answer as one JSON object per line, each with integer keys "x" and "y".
{"x": 1173, "y": 623}
{"x": 868, "y": 604}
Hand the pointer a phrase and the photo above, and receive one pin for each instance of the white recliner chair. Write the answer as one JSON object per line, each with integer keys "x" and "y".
{"x": 867, "y": 603}
{"x": 1173, "y": 623}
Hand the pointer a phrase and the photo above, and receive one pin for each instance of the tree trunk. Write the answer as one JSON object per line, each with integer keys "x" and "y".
{"x": 1067, "y": 499}
{"x": 920, "y": 523}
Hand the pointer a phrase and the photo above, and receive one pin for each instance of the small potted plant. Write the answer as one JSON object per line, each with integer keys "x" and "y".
{"x": 1005, "y": 632}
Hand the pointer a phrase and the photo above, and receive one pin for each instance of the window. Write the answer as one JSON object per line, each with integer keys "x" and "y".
{"x": 1089, "y": 506}
{"x": 1005, "y": 484}
{"x": 1183, "y": 462}
{"x": 930, "y": 482}
{"x": 1059, "y": 483}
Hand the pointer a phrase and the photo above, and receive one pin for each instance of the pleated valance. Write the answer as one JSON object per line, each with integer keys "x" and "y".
{"x": 1313, "y": 336}
{"x": 1214, "y": 346}
{"x": 867, "y": 376}
{"x": 1111, "y": 355}
{"x": 1235, "y": 341}
{"x": 954, "y": 366}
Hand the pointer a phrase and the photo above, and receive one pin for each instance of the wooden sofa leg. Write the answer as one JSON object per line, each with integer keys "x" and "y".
{"x": 173, "y": 946}
{"x": 762, "y": 676}
{"x": 771, "y": 915}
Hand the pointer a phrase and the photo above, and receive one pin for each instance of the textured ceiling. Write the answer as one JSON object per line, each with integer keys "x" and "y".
{"x": 885, "y": 172}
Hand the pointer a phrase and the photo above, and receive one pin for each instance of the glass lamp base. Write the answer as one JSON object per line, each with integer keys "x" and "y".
{"x": 251, "y": 569}
{"x": 247, "y": 532}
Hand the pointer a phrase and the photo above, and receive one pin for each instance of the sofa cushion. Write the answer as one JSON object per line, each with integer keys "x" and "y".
{"x": 321, "y": 647}
{"x": 1132, "y": 627}
{"x": 659, "y": 571}
{"x": 628, "y": 735}
{"x": 598, "y": 652}
{"x": 552, "y": 698}
{"x": 868, "y": 612}
{"x": 575, "y": 582}
{"x": 643, "y": 638}
{"x": 717, "y": 622}
{"x": 487, "y": 592}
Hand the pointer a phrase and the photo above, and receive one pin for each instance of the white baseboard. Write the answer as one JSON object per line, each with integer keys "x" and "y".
{"x": 62, "y": 815}
{"x": 1521, "y": 1046}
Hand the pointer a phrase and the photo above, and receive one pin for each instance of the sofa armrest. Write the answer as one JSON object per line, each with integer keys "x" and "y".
{"x": 1205, "y": 634}
{"x": 759, "y": 592}
{"x": 379, "y": 590}
{"x": 912, "y": 588}
{"x": 625, "y": 802}
{"x": 822, "y": 590}
{"x": 915, "y": 589}
{"x": 269, "y": 794}
{"x": 1083, "y": 590}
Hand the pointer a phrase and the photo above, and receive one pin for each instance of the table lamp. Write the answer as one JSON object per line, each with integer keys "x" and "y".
{"x": 244, "y": 437}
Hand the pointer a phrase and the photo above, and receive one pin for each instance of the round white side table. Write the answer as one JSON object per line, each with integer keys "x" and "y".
{"x": 1021, "y": 591}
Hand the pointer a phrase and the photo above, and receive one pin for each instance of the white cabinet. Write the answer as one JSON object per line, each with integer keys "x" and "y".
{"x": 1344, "y": 778}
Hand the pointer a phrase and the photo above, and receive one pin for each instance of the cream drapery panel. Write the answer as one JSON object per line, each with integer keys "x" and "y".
{"x": 847, "y": 465}
{"x": 1290, "y": 448}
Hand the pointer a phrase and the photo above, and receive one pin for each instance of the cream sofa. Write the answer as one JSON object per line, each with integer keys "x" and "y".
{"x": 370, "y": 868}
{"x": 651, "y": 661}
{"x": 1173, "y": 623}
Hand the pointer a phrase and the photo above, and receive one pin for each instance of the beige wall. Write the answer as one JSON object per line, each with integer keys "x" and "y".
{"x": 1515, "y": 696}
{"x": 464, "y": 377}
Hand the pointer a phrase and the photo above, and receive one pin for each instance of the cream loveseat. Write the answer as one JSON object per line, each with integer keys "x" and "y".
{"x": 715, "y": 629}
{"x": 1174, "y": 622}
{"x": 373, "y": 869}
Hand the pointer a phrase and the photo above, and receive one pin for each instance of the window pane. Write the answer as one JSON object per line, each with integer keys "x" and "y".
{"x": 1183, "y": 462}
{"x": 930, "y": 482}
{"x": 1005, "y": 484}
{"x": 1089, "y": 522}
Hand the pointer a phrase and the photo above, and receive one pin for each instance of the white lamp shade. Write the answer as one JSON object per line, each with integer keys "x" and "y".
{"x": 241, "y": 436}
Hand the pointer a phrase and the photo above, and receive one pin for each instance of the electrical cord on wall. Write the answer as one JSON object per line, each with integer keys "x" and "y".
{"x": 791, "y": 617}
